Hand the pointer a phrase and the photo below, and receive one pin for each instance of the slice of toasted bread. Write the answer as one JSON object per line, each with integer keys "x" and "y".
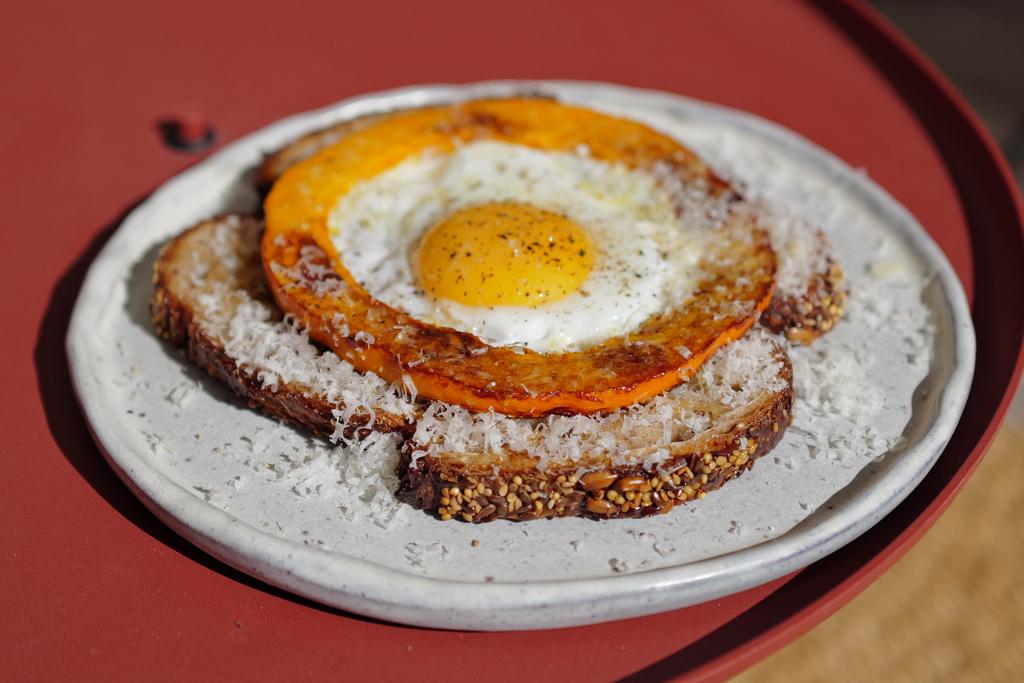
{"x": 210, "y": 298}
{"x": 635, "y": 462}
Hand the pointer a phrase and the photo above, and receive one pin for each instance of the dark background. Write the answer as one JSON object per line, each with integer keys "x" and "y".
{"x": 979, "y": 45}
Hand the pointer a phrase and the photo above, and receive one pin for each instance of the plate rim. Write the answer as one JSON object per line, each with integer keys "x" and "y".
{"x": 426, "y": 601}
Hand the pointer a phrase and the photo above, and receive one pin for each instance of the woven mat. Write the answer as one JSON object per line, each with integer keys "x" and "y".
{"x": 952, "y": 609}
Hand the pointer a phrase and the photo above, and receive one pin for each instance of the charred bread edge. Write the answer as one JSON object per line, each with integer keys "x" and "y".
{"x": 176, "y": 322}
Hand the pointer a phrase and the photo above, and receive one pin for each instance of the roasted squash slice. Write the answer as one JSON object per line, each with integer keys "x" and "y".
{"x": 309, "y": 280}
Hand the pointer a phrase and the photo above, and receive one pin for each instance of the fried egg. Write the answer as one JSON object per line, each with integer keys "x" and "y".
{"x": 552, "y": 251}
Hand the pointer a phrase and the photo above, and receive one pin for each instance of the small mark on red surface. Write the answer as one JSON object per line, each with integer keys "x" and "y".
{"x": 188, "y": 131}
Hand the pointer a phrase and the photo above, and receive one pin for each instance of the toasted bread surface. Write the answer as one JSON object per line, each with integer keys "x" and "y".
{"x": 210, "y": 298}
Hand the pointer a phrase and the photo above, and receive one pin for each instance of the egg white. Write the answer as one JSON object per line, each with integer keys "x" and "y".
{"x": 646, "y": 256}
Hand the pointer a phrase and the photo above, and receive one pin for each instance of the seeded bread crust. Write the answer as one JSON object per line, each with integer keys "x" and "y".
{"x": 185, "y": 268}
{"x": 470, "y": 487}
{"x": 805, "y": 317}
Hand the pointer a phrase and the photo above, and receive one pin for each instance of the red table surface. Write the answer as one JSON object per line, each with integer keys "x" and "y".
{"x": 93, "y": 586}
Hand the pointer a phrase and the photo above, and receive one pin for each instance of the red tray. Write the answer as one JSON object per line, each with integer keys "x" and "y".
{"x": 93, "y": 586}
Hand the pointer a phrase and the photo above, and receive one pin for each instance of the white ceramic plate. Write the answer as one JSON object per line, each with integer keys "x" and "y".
{"x": 877, "y": 400}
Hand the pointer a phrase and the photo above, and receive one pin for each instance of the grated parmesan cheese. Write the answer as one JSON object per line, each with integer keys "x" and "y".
{"x": 736, "y": 376}
{"x": 278, "y": 351}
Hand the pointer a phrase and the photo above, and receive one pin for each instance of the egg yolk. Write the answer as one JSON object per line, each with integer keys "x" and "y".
{"x": 504, "y": 254}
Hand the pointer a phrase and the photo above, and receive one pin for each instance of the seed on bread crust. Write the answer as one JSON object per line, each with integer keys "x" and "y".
{"x": 592, "y": 481}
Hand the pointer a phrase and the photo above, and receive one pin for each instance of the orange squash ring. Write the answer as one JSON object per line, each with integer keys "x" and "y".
{"x": 309, "y": 280}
